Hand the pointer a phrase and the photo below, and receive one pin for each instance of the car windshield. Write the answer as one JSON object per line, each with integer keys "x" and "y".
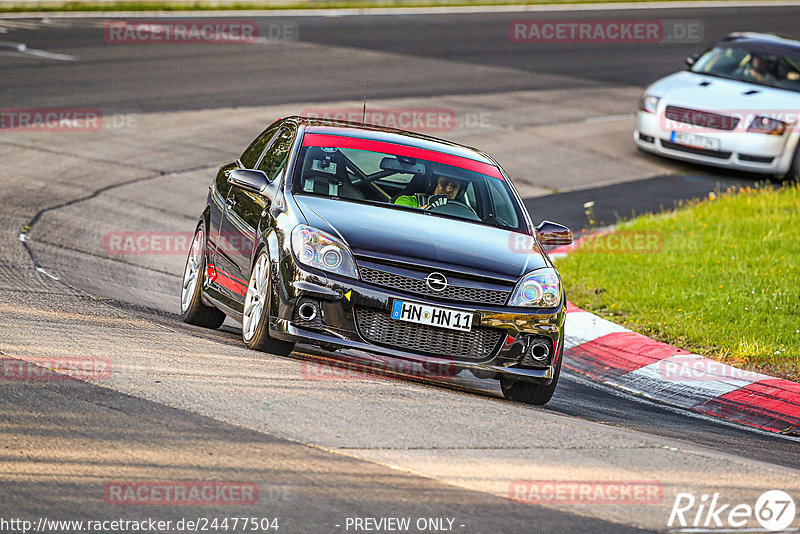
{"x": 747, "y": 65}
{"x": 451, "y": 186}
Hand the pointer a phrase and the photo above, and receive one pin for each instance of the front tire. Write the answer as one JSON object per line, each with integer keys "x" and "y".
{"x": 793, "y": 174}
{"x": 255, "y": 319}
{"x": 530, "y": 392}
{"x": 193, "y": 311}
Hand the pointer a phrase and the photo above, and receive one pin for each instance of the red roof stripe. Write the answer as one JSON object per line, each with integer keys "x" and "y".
{"x": 339, "y": 141}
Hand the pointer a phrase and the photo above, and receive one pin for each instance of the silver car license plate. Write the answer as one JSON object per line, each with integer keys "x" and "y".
{"x": 696, "y": 141}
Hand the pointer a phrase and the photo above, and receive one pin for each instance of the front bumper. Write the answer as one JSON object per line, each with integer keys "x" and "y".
{"x": 336, "y": 328}
{"x": 738, "y": 149}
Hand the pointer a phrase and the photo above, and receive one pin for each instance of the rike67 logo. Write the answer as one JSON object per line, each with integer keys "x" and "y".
{"x": 774, "y": 510}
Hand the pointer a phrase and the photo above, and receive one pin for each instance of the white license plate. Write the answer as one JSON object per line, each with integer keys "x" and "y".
{"x": 694, "y": 140}
{"x": 412, "y": 312}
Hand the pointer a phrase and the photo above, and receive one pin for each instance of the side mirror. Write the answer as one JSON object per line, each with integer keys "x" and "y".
{"x": 692, "y": 59}
{"x": 248, "y": 179}
{"x": 550, "y": 233}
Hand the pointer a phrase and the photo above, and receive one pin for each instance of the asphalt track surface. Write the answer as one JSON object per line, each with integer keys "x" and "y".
{"x": 466, "y": 50}
{"x": 432, "y": 55}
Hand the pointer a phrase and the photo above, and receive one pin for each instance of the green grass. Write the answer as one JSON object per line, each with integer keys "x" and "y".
{"x": 210, "y": 5}
{"x": 725, "y": 282}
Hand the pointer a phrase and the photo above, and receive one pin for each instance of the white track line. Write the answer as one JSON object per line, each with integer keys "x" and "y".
{"x": 23, "y": 49}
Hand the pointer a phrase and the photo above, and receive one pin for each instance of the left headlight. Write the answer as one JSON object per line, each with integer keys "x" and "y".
{"x": 538, "y": 289}
{"x": 649, "y": 103}
{"x": 321, "y": 250}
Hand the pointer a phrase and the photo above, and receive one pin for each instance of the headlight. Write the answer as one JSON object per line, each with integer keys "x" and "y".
{"x": 321, "y": 250}
{"x": 767, "y": 125}
{"x": 648, "y": 103}
{"x": 538, "y": 289}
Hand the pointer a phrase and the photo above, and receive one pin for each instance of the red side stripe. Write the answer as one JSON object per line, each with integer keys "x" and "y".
{"x": 234, "y": 278}
{"x": 766, "y": 404}
{"x": 338, "y": 141}
{"x": 231, "y": 283}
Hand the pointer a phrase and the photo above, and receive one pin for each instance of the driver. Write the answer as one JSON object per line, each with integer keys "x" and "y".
{"x": 447, "y": 188}
{"x": 759, "y": 68}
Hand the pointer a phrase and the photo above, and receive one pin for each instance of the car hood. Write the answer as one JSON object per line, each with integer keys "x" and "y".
{"x": 421, "y": 239}
{"x": 685, "y": 89}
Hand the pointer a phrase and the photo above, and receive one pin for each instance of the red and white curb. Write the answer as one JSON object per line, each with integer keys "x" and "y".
{"x": 614, "y": 355}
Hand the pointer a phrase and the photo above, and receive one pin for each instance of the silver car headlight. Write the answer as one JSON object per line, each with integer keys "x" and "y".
{"x": 767, "y": 125}
{"x": 321, "y": 250}
{"x": 538, "y": 289}
{"x": 648, "y": 103}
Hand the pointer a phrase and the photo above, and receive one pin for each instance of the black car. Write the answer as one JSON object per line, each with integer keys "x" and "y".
{"x": 357, "y": 238}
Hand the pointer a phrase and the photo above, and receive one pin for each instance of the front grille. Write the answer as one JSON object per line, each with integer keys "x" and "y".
{"x": 701, "y": 119}
{"x": 379, "y": 328}
{"x": 719, "y": 154}
{"x": 418, "y": 287}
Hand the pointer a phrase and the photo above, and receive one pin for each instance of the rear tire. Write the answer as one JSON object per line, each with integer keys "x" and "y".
{"x": 193, "y": 311}
{"x": 255, "y": 317}
{"x": 530, "y": 392}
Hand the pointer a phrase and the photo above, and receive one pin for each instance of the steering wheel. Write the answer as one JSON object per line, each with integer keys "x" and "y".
{"x": 455, "y": 208}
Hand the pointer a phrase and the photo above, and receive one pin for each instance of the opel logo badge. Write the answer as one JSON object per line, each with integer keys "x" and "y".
{"x": 436, "y": 282}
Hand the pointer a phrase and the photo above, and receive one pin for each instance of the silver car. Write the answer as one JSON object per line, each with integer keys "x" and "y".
{"x": 736, "y": 106}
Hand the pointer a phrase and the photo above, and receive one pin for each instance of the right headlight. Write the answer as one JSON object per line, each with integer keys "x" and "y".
{"x": 321, "y": 250}
{"x": 648, "y": 103}
{"x": 538, "y": 289}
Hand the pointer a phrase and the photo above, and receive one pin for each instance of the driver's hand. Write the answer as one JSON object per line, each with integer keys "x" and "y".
{"x": 435, "y": 201}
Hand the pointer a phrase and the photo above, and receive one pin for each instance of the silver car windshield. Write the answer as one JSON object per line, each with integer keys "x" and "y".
{"x": 743, "y": 64}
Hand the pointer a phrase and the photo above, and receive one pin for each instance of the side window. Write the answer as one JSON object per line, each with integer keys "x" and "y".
{"x": 503, "y": 209}
{"x": 250, "y": 156}
{"x": 275, "y": 158}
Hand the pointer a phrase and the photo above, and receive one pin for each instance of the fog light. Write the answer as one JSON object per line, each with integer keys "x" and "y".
{"x": 538, "y": 352}
{"x": 308, "y": 313}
